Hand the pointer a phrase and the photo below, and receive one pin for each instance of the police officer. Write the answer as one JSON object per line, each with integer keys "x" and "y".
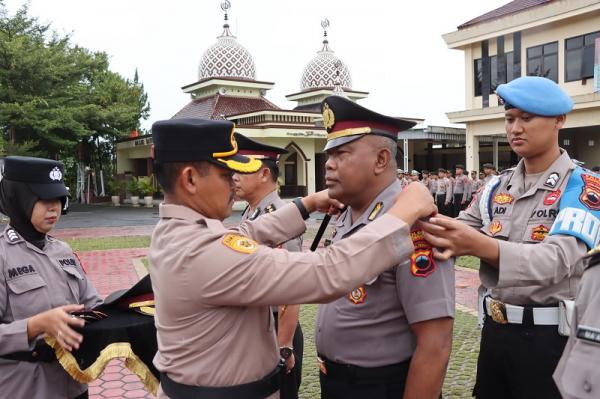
{"x": 461, "y": 189}
{"x": 577, "y": 375}
{"x": 432, "y": 185}
{"x": 489, "y": 170}
{"x": 213, "y": 286}
{"x": 443, "y": 193}
{"x": 414, "y": 175}
{"x": 260, "y": 190}
{"x": 391, "y": 336}
{"x": 526, "y": 226}
{"x": 42, "y": 283}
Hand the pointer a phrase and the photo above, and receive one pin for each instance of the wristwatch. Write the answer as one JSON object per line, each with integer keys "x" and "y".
{"x": 286, "y": 352}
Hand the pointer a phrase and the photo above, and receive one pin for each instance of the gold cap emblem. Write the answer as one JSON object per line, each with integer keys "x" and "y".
{"x": 328, "y": 117}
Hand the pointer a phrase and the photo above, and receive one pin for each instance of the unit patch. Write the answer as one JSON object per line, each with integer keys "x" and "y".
{"x": 589, "y": 334}
{"x": 590, "y": 193}
{"x": 552, "y": 197}
{"x": 375, "y": 211}
{"x": 540, "y": 232}
{"x": 240, "y": 243}
{"x": 358, "y": 295}
{"x": 503, "y": 199}
{"x": 552, "y": 180}
{"x": 421, "y": 261}
{"x": 495, "y": 227}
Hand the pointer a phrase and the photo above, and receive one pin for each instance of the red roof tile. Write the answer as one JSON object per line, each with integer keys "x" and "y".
{"x": 218, "y": 106}
{"x": 511, "y": 8}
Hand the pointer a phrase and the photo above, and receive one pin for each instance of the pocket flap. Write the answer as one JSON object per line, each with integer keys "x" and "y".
{"x": 26, "y": 283}
{"x": 73, "y": 272}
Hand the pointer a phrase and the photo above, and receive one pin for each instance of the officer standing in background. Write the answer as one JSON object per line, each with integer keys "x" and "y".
{"x": 213, "y": 286}
{"x": 432, "y": 185}
{"x": 42, "y": 283}
{"x": 391, "y": 336}
{"x": 461, "y": 190}
{"x": 489, "y": 170}
{"x": 527, "y": 227}
{"x": 476, "y": 182}
{"x": 414, "y": 175}
{"x": 260, "y": 190}
{"x": 443, "y": 193}
{"x": 425, "y": 177}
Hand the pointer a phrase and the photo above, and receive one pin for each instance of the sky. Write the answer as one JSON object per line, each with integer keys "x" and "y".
{"x": 394, "y": 49}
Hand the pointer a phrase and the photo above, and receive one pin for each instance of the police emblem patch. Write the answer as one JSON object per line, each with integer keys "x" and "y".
{"x": 590, "y": 193}
{"x": 552, "y": 180}
{"x": 495, "y": 227}
{"x": 375, "y": 211}
{"x": 552, "y": 197}
{"x": 503, "y": 199}
{"x": 358, "y": 295}
{"x": 421, "y": 261}
{"x": 328, "y": 117}
{"x": 240, "y": 243}
{"x": 540, "y": 232}
{"x": 56, "y": 174}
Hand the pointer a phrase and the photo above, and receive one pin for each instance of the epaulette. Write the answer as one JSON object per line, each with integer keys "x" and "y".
{"x": 594, "y": 256}
{"x": 11, "y": 236}
{"x": 254, "y": 214}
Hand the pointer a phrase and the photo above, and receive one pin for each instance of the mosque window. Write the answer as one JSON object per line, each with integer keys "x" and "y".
{"x": 579, "y": 56}
{"x": 542, "y": 60}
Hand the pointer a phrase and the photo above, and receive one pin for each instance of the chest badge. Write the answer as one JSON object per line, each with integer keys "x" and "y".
{"x": 240, "y": 243}
{"x": 358, "y": 295}
{"x": 375, "y": 211}
{"x": 552, "y": 180}
{"x": 421, "y": 261}
{"x": 495, "y": 227}
{"x": 552, "y": 197}
{"x": 590, "y": 194}
{"x": 503, "y": 199}
{"x": 540, "y": 232}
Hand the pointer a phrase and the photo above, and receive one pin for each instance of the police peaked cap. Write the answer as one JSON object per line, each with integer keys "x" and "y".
{"x": 138, "y": 297}
{"x": 489, "y": 166}
{"x": 347, "y": 121}
{"x": 254, "y": 149}
{"x": 44, "y": 177}
{"x": 459, "y": 166}
{"x": 195, "y": 139}
{"x": 535, "y": 95}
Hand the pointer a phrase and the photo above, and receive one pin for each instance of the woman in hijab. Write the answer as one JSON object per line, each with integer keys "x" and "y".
{"x": 41, "y": 284}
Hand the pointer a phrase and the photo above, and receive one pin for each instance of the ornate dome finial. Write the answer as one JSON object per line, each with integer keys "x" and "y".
{"x": 225, "y": 6}
{"x": 325, "y": 25}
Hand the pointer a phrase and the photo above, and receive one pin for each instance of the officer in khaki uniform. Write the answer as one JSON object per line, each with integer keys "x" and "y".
{"x": 461, "y": 190}
{"x": 577, "y": 375}
{"x": 42, "y": 282}
{"x": 443, "y": 193}
{"x": 213, "y": 286}
{"x": 391, "y": 336}
{"x": 260, "y": 190}
{"x": 489, "y": 170}
{"x": 530, "y": 238}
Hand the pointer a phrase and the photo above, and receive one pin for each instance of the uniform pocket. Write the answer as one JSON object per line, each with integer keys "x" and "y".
{"x": 73, "y": 279}
{"x": 581, "y": 377}
{"x": 27, "y": 296}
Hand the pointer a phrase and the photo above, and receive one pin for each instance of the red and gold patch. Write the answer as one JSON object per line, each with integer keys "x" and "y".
{"x": 358, "y": 295}
{"x": 421, "y": 261}
{"x": 503, "y": 199}
{"x": 590, "y": 194}
{"x": 552, "y": 197}
{"x": 540, "y": 232}
{"x": 495, "y": 227}
{"x": 240, "y": 243}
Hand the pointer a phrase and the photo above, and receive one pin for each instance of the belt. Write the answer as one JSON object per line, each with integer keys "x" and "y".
{"x": 254, "y": 390}
{"x": 41, "y": 353}
{"x": 504, "y": 313}
{"x": 364, "y": 375}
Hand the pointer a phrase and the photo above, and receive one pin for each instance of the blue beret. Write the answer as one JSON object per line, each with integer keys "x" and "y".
{"x": 536, "y": 95}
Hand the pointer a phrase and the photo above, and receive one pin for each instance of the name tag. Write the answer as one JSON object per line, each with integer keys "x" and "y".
{"x": 589, "y": 334}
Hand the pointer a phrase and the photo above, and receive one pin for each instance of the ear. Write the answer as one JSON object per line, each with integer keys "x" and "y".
{"x": 265, "y": 175}
{"x": 382, "y": 161}
{"x": 188, "y": 179}
{"x": 560, "y": 121}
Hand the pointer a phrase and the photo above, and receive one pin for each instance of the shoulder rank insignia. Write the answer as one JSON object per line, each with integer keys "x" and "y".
{"x": 376, "y": 209}
{"x": 255, "y": 214}
{"x": 552, "y": 197}
{"x": 552, "y": 180}
{"x": 358, "y": 295}
{"x": 495, "y": 227}
{"x": 240, "y": 243}
{"x": 12, "y": 235}
{"x": 421, "y": 261}
{"x": 540, "y": 232}
{"x": 270, "y": 208}
{"x": 590, "y": 194}
{"x": 503, "y": 199}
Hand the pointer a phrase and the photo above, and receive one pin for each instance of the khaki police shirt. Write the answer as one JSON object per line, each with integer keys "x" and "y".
{"x": 433, "y": 186}
{"x": 461, "y": 186}
{"x": 577, "y": 374}
{"x": 33, "y": 281}
{"x": 444, "y": 186}
{"x": 370, "y": 326}
{"x": 534, "y": 267}
{"x": 213, "y": 287}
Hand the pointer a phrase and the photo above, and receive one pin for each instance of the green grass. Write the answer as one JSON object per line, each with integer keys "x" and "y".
{"x": 470, "y": 262}
{"x": 99, "y": 243}
{"x": 146, "y": 262}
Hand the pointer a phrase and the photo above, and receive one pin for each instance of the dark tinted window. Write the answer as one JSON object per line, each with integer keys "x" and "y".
{"x": 542, "y": 60}
{"x": 579, "y": 56}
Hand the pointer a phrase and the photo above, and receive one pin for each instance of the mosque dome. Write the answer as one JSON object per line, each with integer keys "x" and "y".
{"x": 227, "y": 58}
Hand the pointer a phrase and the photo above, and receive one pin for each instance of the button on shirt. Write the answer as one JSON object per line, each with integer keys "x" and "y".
{"x": 540, "y": 274}
{"x": 375, "y": 331}
{"x": 33, "y": 281}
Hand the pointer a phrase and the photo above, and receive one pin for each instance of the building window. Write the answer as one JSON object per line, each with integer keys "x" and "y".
{"x": 579, "y": 57}
{"x": 495, "y": 80}
{"x": 542, "y": 60}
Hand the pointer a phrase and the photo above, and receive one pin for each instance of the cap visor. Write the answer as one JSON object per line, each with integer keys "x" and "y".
{"x": 341, "y": 141}
{"x": 49, "y": 191}
{"x": 239, "y": 163}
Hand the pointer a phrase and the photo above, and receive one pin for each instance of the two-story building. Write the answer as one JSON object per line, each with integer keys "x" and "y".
{"x": 558, "y": 39}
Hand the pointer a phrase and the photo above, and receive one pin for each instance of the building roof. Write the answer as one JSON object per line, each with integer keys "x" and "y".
{"x": 217, "y": 106}
{"x": 510, "y": 8}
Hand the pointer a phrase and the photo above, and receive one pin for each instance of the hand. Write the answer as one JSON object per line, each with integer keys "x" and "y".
{"x": 57, "y": 323}
{"x": 320, "y": 201}
{"x": 290, "y": 363}
{"x": 414, "y": 202}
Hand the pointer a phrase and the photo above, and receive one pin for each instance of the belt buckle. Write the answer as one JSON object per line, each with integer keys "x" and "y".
{"x": 322, "y": 366}
{"x": 498, "y": 310}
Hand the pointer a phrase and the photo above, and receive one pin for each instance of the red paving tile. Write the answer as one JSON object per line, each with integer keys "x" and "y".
{"x": 467, "y": 282}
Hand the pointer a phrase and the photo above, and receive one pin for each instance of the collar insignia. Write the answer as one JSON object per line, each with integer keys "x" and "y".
{"x": 375, "y": 211}
{"x": 552, "y": 180}
{"x": 270, "y": 208}
{"x": 255, "y": 214}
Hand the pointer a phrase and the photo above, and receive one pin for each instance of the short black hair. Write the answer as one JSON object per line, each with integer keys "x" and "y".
{"x": 167, "y": 172}
{"x": 596, "y": 169}
{"x": 273, "y": 168}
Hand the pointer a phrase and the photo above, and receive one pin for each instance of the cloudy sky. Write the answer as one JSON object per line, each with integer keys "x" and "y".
{"x": 394, "y": 49}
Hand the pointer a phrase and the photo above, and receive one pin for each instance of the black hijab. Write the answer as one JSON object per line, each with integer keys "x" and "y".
{"x": 17, "y": 202}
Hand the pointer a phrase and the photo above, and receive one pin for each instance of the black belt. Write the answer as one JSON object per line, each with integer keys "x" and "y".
{"x": 260, "y": 389}
{"x": 366, "y": 375}
{"x": 41, "y": 353}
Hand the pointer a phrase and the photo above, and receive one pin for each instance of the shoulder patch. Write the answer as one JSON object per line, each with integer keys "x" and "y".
{"x": 240, "y": 243}
{"x": 270, "y": 208}
{"x": 376, "y": 209}
{"x": 421, "y": 261}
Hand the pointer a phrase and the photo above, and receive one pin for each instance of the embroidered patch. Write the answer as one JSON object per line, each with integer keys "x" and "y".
{"x": 358, "y": 295}
{"x": 552, "y": 197}
{"x": 240, "y": 243}
{"x": 375, "y": 211}
{"x": 589, "y": 334}
{"x": 495, "y": 227}
{"x": 503, "y": 199}
{"x": 540, "y": 232}
{"x": 270, "y": 208}
{"x": 552, "y": 180}
{"x": 254, "y": 214}
{"x": 421, "y": 261}
{"x": 590, "y": 193}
